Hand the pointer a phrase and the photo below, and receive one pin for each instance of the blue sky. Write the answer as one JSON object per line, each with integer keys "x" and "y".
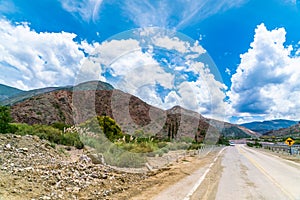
{"x": 236, "y": 60}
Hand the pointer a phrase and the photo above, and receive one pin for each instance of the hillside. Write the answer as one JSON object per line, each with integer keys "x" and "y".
{"x": 266, "y": 126}
{"x": 7, "y": 92}
{"x": 74, "y": 105}
{"x": 286, "y": 132}
{"x": 23, "y": 95}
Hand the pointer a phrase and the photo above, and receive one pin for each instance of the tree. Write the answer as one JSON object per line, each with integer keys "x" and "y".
{"x": 5, "y": 119}
{"x": 110, "y": 128}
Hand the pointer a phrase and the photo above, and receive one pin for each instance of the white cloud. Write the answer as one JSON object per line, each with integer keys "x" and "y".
{"x": 38, "y": 59}
{"x": 175, "y": 13}
{"x": 267, "y": 81}
{"x": 228, "y": 71}
{"x": 29, "y": 60}
{"x": 132, "y": 64}
{"x": 86, "y": 9}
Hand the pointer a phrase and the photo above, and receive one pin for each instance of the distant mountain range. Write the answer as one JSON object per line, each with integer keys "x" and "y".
{"x": 291, "y": 131}
{"x": 6, "y": 92}
{"x": 74, "y": 105}
{"x": 266, "y": 126}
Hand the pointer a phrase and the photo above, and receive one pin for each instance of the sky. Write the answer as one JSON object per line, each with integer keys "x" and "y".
{"x": 234, "y": 60}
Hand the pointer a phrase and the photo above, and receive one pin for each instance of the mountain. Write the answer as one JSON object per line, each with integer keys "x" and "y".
{"x": 75, "y": 105}
{"x": 6, "y": 92}
{"x": 23, "y": 95}
{"x": 232, "y": 130}
{"x": 291, "y": 131}
{"x": 266, "y": 126}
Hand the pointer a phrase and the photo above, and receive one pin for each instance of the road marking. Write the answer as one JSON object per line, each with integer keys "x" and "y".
{"x": 198, "y": 183}
{"x": 274, "y": 156}
{"x": 263, "y": 171}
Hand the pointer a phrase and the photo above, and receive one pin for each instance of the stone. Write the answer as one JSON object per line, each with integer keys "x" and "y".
{"x": 8, "y": 146}
{"x": 84, "y": 159}
{"x": 97, "y": 158}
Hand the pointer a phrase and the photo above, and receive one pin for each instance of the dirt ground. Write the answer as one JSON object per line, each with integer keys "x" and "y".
{"x": 165, "y": 177}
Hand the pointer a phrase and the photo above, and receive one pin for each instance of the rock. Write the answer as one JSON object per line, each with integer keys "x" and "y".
{"x": 45, "y": 198}
{"x": 84, "y": 159}
{"x": 97, "y": 158}
{"x": 149, "y": 167}
{"x": 7, "y": 147}
{"x": 24, "y": 149}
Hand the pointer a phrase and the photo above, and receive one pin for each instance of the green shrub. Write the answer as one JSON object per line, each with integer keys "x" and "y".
{"x": 5, "y": 119}
{"x": 256, "y": 144}
{"x": 195, "y": 146}
{"x": 53, "y": 135}
{"x": 110, "y": 128}
{"x": 161, "y": 144}
{"x": 128, "y": 159}
{"x": 61, "y": 126}
{"x": 165, "y": 150}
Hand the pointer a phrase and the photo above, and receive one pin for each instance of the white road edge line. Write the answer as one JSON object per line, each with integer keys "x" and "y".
{"x": 272, "y": 155}
{"x": 192, "y": 191}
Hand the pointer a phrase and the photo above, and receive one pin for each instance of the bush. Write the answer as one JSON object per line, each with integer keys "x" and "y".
{"x": 60, "y": 126}
{"x": 128, "y": 159}
{"x": 51, "y": 134}
{"x": 5, "y": 119}
{"x": 110, "y": 128}
{"x": 161, "y": 144}
{"x": 256, "y": 144}
{"x": 195, "y": 146}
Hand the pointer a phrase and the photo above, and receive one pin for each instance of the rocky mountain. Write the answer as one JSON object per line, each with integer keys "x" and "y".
{"x": 23, "y": 95}
{"x": 232, "y": 130}
{"x": 266, "y": 126}
{"x": 286, "y": 132}
{"x": 7, "y": 92}
{"x": 75, "y": 105}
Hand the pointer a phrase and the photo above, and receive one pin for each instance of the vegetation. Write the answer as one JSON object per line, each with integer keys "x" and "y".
{"x": 255, "y": 144}
{"x": 54, "y": 134}
{"x": 110, "y": 128}
{"x": 223, "y": 141}
{"x": 5, "y": 119}
{"x": 123, "y": 150}
{"x": 69, "y": 137}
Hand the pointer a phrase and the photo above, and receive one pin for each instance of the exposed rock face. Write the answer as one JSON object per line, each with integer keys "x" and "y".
{"x": 45, "y": 109}
{"x": 31, "y": 169}
{"x": 74, "y": 106}
{"x": 130, "y": 112}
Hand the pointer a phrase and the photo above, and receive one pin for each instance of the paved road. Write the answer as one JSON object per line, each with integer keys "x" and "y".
{"x": 250, "y": 174}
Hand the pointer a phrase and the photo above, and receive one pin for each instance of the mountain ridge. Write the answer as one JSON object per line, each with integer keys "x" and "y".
{"x": 74, "y": 105}
{"x": 7, "y": 91}
{"x": 269, "y": 125}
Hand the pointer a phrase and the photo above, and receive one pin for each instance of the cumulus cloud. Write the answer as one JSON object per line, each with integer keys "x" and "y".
{"x": 162, "y": 69}
{"x": 178, "y": 14}
{"x": 38, "y": 59}
{"x": 30, "y": 60}
{"x": 86, "y": 9}
{"x": 267, "y": 81}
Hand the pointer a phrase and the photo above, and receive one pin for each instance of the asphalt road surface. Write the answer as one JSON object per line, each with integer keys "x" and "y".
{"x": 239, "y": 173}
{"x": 251, "y": 174}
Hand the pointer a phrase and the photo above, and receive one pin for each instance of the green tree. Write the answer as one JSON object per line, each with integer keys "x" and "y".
{"x": 5, "y": 119}
{"x": 110, "y": 128}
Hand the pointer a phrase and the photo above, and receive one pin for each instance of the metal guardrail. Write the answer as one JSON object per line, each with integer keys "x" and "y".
{"x": 282, "y": 148}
